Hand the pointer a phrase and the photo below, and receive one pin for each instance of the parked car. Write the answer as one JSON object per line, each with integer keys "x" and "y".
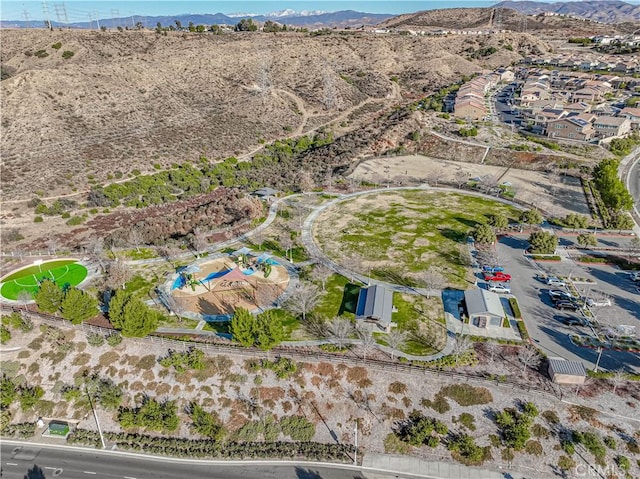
{"x": 492, "y": 269}
{"x": 572, "y": 320}
{"x": 558, "y": 293}
{"x": 598, "y": 302}
{"x": 500, "y": 288}
{"x": 497, "y": 276}
{"x": 558, "y": 283}
{"x": 634, "y": 276}
{"x": 567, "y": 305}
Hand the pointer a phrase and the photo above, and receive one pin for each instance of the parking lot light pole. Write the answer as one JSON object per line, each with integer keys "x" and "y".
{"x": 595, "y": 370}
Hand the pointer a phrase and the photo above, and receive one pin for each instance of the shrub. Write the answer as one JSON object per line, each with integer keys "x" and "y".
{"x": 468, "y": 421}
{"x": 467, "y": 449}
{"x": 75, "y": 220}
{"x": 534, "y": 448}
{"x": 539, "y": 431}
{"x": 467, "y": 395}
{"x": 592, "y": 442}
{"x": 610, "y": 442}
{"x": 565, "y": 463}
{"x": 513, "y": 302}
{"x": 114, "y": 339}
{"x": 57, "y": 46}
{"x": 551, "y": 417}
{"x": 397, "y": 387}
{"x": 623, "y": 462}
{"x": 298, "y": 428}
{"x": 439, "y": 404}
{"x": 38, "y": 219}
{"x": 5, "y": 334}
{"x": 67, "y": 54}
{"x": 41, "y": 54}
{"x": 522, "y": 329}
{"x": 95, "y": 339}
{"x": 190, "y": 359}
{"x": 417, "y": 429}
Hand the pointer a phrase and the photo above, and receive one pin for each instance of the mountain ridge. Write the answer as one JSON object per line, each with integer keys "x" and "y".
{"x": 605, "y": 11}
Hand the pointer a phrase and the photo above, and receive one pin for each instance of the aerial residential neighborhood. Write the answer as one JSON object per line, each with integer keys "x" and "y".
{"x": 400, "y": 242}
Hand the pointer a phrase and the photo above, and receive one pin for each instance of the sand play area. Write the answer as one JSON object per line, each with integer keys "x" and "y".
{"x": 221, "y": 286}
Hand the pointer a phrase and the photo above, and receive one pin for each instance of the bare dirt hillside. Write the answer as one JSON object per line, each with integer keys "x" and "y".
{"x": 132, "y": 100}
{"x": 503, "y": 18}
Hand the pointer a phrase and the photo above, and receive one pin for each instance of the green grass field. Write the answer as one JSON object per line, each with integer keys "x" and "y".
{"x": 403, "y": 233}
{"x": 63, "y": 272}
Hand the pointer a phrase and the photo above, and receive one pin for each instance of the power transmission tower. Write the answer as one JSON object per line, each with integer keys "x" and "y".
{"x": 58, "y": 11}
{"x": 97, "y": 21}
{"x": 47, "y": 16}
{"x": 64, "y": 14}
{"x": 115, "y": 14}
{"x": 25, "y": 14}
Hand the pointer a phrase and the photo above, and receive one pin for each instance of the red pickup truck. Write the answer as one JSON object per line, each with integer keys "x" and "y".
{"x": 498, "y": 276}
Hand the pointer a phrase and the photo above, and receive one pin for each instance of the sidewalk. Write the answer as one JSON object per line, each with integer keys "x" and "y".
{"x": 431, "y": 469}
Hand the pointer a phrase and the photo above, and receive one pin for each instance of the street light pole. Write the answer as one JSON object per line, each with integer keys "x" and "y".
{"x": 595, "y": 370}
{"x": 95, "y": 415}
{"x": 355, "y": 453}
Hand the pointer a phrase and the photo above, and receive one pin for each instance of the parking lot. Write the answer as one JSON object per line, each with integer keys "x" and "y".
{"x": 544, "y": 321}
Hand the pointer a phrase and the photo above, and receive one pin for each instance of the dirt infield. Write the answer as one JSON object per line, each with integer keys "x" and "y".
{"x": 550, "y": 192}
{"x": 224, "y": 294}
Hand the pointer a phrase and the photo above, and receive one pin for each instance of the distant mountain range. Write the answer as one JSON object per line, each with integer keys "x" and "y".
{"x": 307, "y": 19}
{"x": 606, "y": 11}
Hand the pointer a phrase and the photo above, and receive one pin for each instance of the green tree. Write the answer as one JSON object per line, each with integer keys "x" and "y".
{"x": 5, "y": 334}
{"x": 612, "y": 190}
{"x": 531, "y": 217}
{"x": 466, "y": 446}
{"x": 29, "y": 396}
{"x": 587, "y": 239}
{"x": 543, "y": 242}
{"x": 131, "y": 316}
{"x": 484, "y": 234}
{"x": 78, "y": 306}
{"x": 243, "y": 326}
{"x": 246, "y": 25}
{"x": 573, "y": 220}
{"x": 269, "y": 330}
{"x": 271, "y": 27}
{"x": 8, "y": 392}
{"x": 178, "y": 24}
{"x": 205, "y": 423}
{"x": 49, "y": 296}
{"x": 498, "y": 221}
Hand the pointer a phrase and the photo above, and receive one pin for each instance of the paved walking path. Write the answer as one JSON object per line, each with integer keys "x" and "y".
{"x": 433, "y": 469}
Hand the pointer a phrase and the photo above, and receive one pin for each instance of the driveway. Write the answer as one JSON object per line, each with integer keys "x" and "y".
{"x": 542, "y": 319}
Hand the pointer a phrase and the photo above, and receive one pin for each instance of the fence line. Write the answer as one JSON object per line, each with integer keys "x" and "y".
{"x": 313, "y": 355}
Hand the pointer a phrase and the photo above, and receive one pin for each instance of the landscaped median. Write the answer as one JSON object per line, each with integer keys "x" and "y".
{"x": 522, "y": 328}
{"x": 630, "y": 345}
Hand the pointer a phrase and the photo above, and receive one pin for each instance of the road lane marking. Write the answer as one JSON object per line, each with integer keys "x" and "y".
{"x": 11, "y": 464}
{"x": 89, "y": 472}
{"x": 50, "y": 468}
{"x": 129, "y": 477}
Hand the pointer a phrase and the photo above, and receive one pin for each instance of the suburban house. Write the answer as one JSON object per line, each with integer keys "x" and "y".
{"x": 579, "y": 107}
{"x": 562, "y": 371}
{"x": 484, "y": 308}
{"x": 587, "y": 94}
{"x": 374, "y": 307}
{"x": 612, "y": 126}
{"x": 633, "y": 115}
{"x": 541, "y": 119}
{"x": 470, "y": 107}
{"x": 570, "y": 128}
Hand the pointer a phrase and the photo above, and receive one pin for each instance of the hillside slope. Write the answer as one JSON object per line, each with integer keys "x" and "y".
{"x": 607, "y": 11}
{"x": 132, "y": 100}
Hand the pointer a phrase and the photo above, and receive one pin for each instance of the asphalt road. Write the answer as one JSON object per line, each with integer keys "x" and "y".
{"x": 634, "y": 184}
{"x": 35, "y": 462}
{"x": 542, "y": 319}
{"x": 502, "y": 108}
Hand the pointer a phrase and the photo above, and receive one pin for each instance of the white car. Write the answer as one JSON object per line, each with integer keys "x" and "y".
{"x": 553, "y": 281}
{"x": 598, "y": 302}
{"x": 500, "y": 288}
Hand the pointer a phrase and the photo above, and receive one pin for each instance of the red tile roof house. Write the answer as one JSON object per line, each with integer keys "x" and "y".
{"x": 570, "y": 128}
{"x": 612, "y": 126}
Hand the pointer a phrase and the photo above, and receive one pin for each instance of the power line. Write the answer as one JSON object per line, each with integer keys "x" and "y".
{"x": 47, "y": 17}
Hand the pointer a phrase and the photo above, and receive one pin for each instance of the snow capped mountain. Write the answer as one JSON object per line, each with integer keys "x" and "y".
{"x": 292, "y": 13}
{"x": 286, "y": 13}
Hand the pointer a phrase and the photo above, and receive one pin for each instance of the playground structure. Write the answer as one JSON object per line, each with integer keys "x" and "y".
{"x": 216, "y": 288}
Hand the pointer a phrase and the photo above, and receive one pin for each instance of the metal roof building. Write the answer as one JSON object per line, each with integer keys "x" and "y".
{"x": 484, "y": 308}
{"x": 375, "y": 304}
{"x": 562, "y": 371}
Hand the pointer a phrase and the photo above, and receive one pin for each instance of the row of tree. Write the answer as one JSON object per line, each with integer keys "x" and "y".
{"x": 74, "y": 304}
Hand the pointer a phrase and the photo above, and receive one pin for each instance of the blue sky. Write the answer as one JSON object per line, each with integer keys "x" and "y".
{"x": 79, "y": 10}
